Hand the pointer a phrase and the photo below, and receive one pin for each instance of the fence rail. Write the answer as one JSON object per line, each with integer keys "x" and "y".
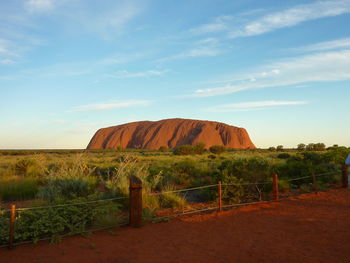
{"x": 135, "y": 214}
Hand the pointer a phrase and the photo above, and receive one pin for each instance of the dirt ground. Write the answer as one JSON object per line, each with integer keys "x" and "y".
{"x": 309, "y": 228}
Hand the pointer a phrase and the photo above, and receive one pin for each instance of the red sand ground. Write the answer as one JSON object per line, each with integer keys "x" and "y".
{"x": 309, "y": 228}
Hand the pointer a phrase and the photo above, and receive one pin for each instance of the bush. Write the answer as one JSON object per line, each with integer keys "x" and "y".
{"x": 66, "y": 188}
{"x": 163, "y": 149}
{"x": 198, "y": 148}
{"x": 18, "y": 189}
{"x": 171, "y": 200}
{"x": 217, "y": 149}
{"x": 283, "y": 156}
{"x": 184, "y": 150}
{"x": 32, "y": 225}
{"x": 22, "y": 166}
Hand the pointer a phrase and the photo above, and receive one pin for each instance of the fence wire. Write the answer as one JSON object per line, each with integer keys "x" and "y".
{"x": 188, "y": 201}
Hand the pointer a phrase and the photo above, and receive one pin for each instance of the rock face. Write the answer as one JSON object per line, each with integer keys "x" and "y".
{"x": 170, "y": 133}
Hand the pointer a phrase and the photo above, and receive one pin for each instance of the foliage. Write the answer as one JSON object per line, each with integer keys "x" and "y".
{"x": 198, "y": 148}
{"x": 32, "y": 225}
{"x": 316, "y": 147}
{"x": 301, "y": 147}
{"x": 163, "y": 149}
{"x": 217, "y": 149}
{"x": 279, "y": 148}
{"x": 69, "y": 180}
{"x": 14, "y": 188}
{"x": 234, "y": 192}
{"x": 283, "y": 155}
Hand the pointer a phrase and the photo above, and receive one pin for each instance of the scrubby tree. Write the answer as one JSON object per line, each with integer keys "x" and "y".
{"x": 310, "y": 147}
{"x": 272, "y": 149}
{"x": 217, "y": 149}
{"x": 319, "y": 147}
{"x": 162, "y": 149}
{"x": 199, "y": 148}
{"x": 279, "y": 148}
{"x": 301, "y": 147}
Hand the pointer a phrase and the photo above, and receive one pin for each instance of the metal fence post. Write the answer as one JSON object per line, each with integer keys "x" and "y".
{"x": 220, "y": 196}
{"x": 135, "y": 203}
{"x": 275, "y": 186}
{"x": 12, "y": 226}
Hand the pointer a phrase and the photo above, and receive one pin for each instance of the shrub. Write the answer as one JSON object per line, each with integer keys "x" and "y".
{"x": 283, "y": 156}
{"x": 21, "y": 167}
{"x": 32, "y": 225}
{"x": 16, "y": 189}
{"x": 234, "y": 192}
{"x": 163, "y": 149}
{"x": 184, "y": 150}
{"x": 217, "y": 149}
{"x": 66, "y": 188}
{"x": 198, "y": 148}
{"x": 171, "y": 200}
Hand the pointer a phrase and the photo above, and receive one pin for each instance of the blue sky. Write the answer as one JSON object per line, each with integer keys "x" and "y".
{"x": 280, "y": 69}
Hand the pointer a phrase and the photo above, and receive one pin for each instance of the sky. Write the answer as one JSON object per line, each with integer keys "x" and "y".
{"x": 280, "y": 69}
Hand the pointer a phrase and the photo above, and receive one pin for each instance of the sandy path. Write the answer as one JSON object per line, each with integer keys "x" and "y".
{"x": 310, "y": 228}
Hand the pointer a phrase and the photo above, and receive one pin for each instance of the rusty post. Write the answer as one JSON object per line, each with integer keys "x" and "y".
{"x": 345, "y": 178}
{"x": 314, "y": 182}
{"x": 275, "y": 186}
{"x": 135, "y": 203}
{"x": 12, "y": 226}
{"x": 220, "y": 196}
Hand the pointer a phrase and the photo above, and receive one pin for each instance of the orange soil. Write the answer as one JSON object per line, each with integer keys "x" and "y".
{"x": 308, "y": 228}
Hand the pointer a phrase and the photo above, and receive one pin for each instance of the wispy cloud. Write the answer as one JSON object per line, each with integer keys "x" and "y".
{"x": 143, "y": 74}
{"x": 219, "y": 24}
{"x": 292, "y": 16}
{"x": 202, "y": 51}
{"x": 109, "y": 22}
{"x": 39, "y": 5}
{"x": 254, "y": 105}
{"x": 319, "y": 67}
{"x": 111, "y": 106}
{"x": 328, "y": 45}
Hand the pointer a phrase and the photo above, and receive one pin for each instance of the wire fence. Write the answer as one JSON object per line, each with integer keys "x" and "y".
{"x": 53, "y": 222}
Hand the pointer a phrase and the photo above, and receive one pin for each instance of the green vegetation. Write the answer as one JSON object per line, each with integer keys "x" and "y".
{"x": 198, "y": 148}
{"x": 50, "y": 178}
{"x": 217, "y": 149}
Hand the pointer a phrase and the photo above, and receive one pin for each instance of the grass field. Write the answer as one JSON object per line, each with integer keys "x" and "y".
{"x": 99, "y": 182}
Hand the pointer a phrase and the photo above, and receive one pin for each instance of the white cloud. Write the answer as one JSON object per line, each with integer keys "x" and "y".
{"x": 292, "y": 16}
{"x": 319, "y": 67}
{"x": 109, "y": 20}
{"x": 193, "y": 53}
{"x": 254, "y": 105}
{"x": 328, "y": 45}
{"x": 39, "y": 5}
{"x": 148, "y": 73}
{"x": 110, "y": 106}
{"x": 219, "y": 24}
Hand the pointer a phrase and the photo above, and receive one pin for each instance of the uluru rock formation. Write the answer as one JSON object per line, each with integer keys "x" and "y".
{"x": 170, "y": 133}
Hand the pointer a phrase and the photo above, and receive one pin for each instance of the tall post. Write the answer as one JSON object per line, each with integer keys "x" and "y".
{"x": 220, "y": 196}
{"x": 314, "y": 182}
{"x": 275, "y": 186}
{"x": 135, "y": 205}
{"x": 345, "y": 178}
{"x": 12, "y": 226}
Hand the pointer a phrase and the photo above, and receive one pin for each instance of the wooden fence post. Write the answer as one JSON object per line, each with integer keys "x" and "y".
{"x": 220, "y": 196}
{"x": 12, "y": 226}
{"x": 275, "y": 186}
{"x": 345, "y": 178}
{"x": 314, "y": 182}
{"x": 135, "y": 203}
